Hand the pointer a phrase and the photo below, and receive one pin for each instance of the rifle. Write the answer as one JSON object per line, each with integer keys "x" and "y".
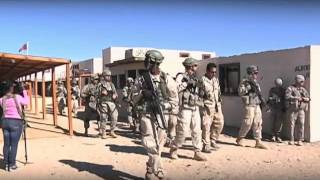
{"x": 257, "y": 90}
{"x": 155, "y": 102}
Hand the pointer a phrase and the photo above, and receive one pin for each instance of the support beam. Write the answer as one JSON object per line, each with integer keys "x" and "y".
{"x": 44, "y": 109}
{"x": 69, "y": 99}
{"x": 54, "y": 96}
{"x": 35, "y": 94}
{"x": 80, "y": 99}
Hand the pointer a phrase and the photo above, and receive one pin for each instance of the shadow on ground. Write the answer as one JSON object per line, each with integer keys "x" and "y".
{"x": 103, "y": 171}
{"x": 127, "y": 149}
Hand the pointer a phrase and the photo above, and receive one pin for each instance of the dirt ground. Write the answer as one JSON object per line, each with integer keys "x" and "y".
{"x": 54, "y": 155}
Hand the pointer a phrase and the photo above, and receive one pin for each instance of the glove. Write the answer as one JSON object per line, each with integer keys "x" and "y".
{"x": 167, "y": 106}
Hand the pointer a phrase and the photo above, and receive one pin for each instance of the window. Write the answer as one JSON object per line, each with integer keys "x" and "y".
{"x": 86, "y": 80}
{"x": 114, "y": 79}
{"x": 184, "y": 55}
{"x": 122, "y": 79}
{"x": 132, "y": 73}
{"x": 206, "y": 56}
{"x": 141, "y": 71}
{"x": 229, "y": 77}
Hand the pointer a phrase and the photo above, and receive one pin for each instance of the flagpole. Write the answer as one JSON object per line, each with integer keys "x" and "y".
{"x": 27, "y": 48}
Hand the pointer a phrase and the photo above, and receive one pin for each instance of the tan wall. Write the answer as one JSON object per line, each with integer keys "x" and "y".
{"x": 272, "y": 64}
{"x": 314, "y": 93}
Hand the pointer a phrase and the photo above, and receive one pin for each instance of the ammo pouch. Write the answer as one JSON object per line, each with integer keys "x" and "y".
{"x": 189, "y": 98}
{"x": 245, "y": 100}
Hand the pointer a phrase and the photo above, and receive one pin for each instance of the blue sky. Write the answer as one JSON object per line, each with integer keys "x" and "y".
{"x": 81, "y": 29}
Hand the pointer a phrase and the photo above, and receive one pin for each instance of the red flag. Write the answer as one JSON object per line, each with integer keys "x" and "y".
{"x": 23, "y": 47}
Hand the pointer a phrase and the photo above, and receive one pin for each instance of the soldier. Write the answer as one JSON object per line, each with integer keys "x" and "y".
{"x": 107, "y": 108}
{"x": 154, "y": 98}
{"x": 61, "y": 96}
{"x": 297, "y": 99}
{"x": 276, "y": 103}
{"x": 189, "y": 115}
{"x": 250, "y": 93}
{"x": 128, "y": 92}
{"x": 75, "y": 93}
{"x": 89, "y": 93}
{"x": 213, "y": 119}
{"x": 174, "y": 111}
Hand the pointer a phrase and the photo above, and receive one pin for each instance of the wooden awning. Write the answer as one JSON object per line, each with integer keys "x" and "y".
{"x": 13, "y": 66}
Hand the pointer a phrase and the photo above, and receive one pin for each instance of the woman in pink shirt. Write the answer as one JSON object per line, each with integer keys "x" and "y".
{"x": 12, "y": 122}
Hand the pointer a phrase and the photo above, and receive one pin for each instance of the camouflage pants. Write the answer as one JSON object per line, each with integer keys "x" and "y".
{"x": 212, "y": 125}
{"x": 75, "y": 105}
{"x": 189, "y": 119}
{"x": 252, "y": 118}
{"x": 61, "y": 104}
{"x": 277, "y": 119}
{"x": 108, "y": 112}
{"x": 172, "y": 125}
{"x": 149, "y": 142}
{"x": 297, "y": 116}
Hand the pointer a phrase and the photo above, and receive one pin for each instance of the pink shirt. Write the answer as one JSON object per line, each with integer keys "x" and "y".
{"x": 11, "y": 108}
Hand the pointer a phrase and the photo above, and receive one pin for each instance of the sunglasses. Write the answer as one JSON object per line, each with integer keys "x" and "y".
{"x": 154, "y": 63}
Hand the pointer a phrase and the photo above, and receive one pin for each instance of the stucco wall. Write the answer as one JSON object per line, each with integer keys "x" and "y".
{"x": 314, "y": 93}
{"x": 272, "y": 64}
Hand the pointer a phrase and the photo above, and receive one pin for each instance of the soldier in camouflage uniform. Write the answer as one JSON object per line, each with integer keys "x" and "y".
{"x": 106, "y": 107}
{"x": 153, "y": 133}
{"x": 250, "y": 93}
{"x": 297, "y": 101}
{"x": 75, "y": 93}
{"x": 89, "y": 93}
{"x": 276, "y": 104}
{"x": 212, "y": 120}
{"x": 174, "y": 111}
{"x": 189, "y": 115}
{"x": 128, "y": 93}
{"x": 61, "y": 97}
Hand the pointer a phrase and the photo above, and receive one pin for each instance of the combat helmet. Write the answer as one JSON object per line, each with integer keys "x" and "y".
{"x": 252, "y": 69}
{"x": 106, "y": 72}
{"x": 153, "y": 57}
{"x": 188, "y": 62}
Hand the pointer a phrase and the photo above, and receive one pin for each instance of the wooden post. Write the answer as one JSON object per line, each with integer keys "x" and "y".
{"x": 36, "y": 93}
{"x": 80, "y": 99}
{"x": 54, "y": 96}
{"x": 69, "y": 99}
{"x": 44, "y": 109}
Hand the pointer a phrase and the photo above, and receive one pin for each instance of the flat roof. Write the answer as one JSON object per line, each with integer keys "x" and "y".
{"x": 13, "y": 66}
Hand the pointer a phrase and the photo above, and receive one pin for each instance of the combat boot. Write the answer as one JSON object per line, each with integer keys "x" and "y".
{"x": 206, "y": 148}
{"x": 239, "y": 142}
{"x": 300, "y": 143}
{"x": 150, "y": 176}
{"x": 113, "y": 134}
{"x": 198, "y": 156}
{"x": 291, "y": 142}
{"x": 278, "y": 139}
{"x": 160, "y": 174}
{"x": 174, "y": 153}
{"x": 215, "y": 145}
{"x": 259, "y": 145}
{"x": 103, "y": 134}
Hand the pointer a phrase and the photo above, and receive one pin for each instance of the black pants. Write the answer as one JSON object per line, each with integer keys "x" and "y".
{"x": 12, "y": 129}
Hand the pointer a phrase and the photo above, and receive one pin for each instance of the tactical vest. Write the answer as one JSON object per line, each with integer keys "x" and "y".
{"x": 295, "y": 104}
{"x": 161, "y": 91}
{"x": 190, "y": 95}
{"x": 106, "y": 88}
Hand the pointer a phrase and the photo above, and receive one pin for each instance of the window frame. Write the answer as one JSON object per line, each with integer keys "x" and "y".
{"x": 223, "y": 77}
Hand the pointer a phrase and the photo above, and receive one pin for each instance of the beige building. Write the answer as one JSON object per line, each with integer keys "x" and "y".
{"x": 128, "y": 62}
{"x": 272, "y": 64}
